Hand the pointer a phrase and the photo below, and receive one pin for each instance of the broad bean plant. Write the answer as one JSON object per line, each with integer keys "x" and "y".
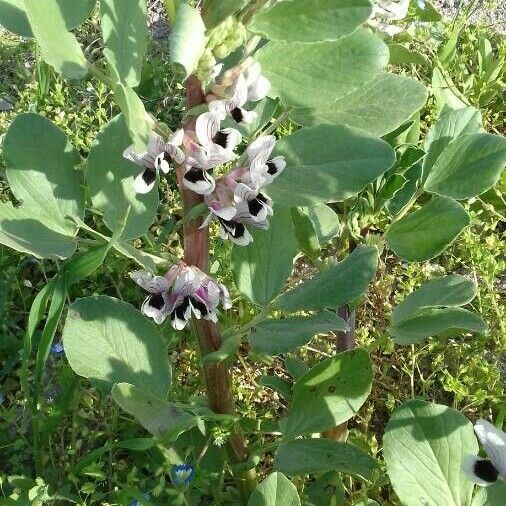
{"x": 295, "y": 134}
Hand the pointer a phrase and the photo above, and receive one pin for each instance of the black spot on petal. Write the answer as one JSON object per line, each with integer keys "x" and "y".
{"x": 149, "y": 176}
{"x": 485, "y": 470}
{"x": 156, "y": 300}
{"x": 237, "y": 115}
{"x": 271, "y": 168}
{"x": 195, "y": 175}
{"x": 255, "y": 206}
{"x": 221, "y": 138}
{"x": 198, "y": 304}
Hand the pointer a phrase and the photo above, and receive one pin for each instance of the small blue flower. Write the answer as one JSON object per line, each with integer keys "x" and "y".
{"x": 2, "y": 398}
{"x": 57, "y": 348}
{"x": 135, "y": 502}
{"x": 182, "y": 474}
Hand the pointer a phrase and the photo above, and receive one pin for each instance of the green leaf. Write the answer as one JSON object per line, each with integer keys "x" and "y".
{"x": 427, "y": 232}
{"x": 423, "y": 446}
{"x": 448, "y": 127}
{"x": 434, "y": 321}
{"x": 261, "y": 268}
{"x": 40, "y": 170}
{"x": 442, "y": 87}
{"x": 310, "y": 20}
{"x": 84, "y": 264}
{"x": 13, "y": 15}
{"x": 469, "y": 166}
{"x": 59, "y": 47}
{"x": 19, "y": 230}
{"x": 447, "y": 291}
{"x": 308, "y": 456}
{"x": 125, "y": 33}
{"x": 401, "y": 55}
{"x": 274, "y": 336}
{"x": 326, "y": 490}
{"x": 305, "y": 233}
{"x": 307, "y": 76}
{"x": 329, "y": 394}
{"x": 428, "y": 12}
{"x": 434, "y": 308}
{"x": 163, "y": 419}
{"x": 379, "y": 106}
{"x": 275, "y": 490}
{"x": 111, "y": 182}
{"x": 495, "y": 494}
{"x": 228, "y": 348}
{"x": 328, "y": 163}
{"x": 279, "y": 385}
{"x": 187, "y": 38}
{"x": 136, "y": 118}
{"x": 121, "y": 345}
{"x": 325, "y": 222}
{"x": 216, "y": 11}
{"x": 334, "y": 286}
{"x": 295, "y": 367}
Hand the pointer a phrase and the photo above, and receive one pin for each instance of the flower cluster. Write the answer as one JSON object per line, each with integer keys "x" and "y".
{"x": 183, "y": 292}
{"x": 385, "y": 11}
{"x": 487, "y": 471}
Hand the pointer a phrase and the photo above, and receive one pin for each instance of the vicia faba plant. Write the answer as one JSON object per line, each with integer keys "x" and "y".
{"x": 295, "y": 134}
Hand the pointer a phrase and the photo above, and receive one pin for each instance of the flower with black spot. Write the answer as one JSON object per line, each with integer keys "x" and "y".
{"x": 487, "y": 471}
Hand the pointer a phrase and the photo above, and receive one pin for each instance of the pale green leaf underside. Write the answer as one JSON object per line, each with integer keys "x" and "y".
{"x": 275, "y": 490}
{"x": 329, "y": 394}
{"x": 216, "y": 11}
{"x": 161, "y": 418}
{"x": 261, "y": 268}
{"x": 276, "y": 336}
{"x": 317, "y": 74}
{"x": 424, "y": 445}
{"x": 379, "y": 106}
{"x": 109, "y": 341}
{"x": 310, "y": 20}
{"x": 59, "y": 47}
{"x": 125, "y": 34}
{"x": 427, "y": 232}
{"x": 111, "y": 182}
{"x": 328, "y": 163}
{"x": 309, "y": 456}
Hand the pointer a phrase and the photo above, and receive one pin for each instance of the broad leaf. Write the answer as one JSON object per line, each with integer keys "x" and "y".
{"x": 305, "y": 233}
{"x": 325, "y": 222}
{"x": 469, "y": 166}
{"x": 423, "y": 446}
{"x": 379, "y": 106}
{"x": 326, "y": 490}
{"x": 434, "y": 308}
{"x": 308, "y": 456}
{"x": 274, "y": 336}
{"x": 427, "y": 232}
{"x": 216, "y": 11}
{"x": 13, "y": 14}
{"x": 308, "y": 75}
{"x": 280, "y": 385}
{"x": 447, "y": 291}
{"x": 442, "y": 90}
{"x": 275, "y": 490}
{"x": 448, "y": 127}
{"x": 41, "y": 171}
{"x": 328, "y": 163}
{"x": 310, "y": 20}
{"x": 261, "y": 268}
{"x": 187, "y": 38}
{"x": 111, "y": 182}
{"x": 334, "y": 286}
{"x": 401, "y": 54}
{"x": 84, "y": 264}
{"x": 329, "y": 394}
{"x": 161, "y": 418}
{"x": 434, "y": 321}
{"x": 59, "y": 47}
{"x": 125, "y": 34}
{"x": 109, "y": 341}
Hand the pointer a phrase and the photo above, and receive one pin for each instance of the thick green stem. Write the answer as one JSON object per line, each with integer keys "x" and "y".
{"x": 217, "y": 376}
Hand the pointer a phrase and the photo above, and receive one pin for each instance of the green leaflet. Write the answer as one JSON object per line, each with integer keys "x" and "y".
{"x": 275, "y": 490}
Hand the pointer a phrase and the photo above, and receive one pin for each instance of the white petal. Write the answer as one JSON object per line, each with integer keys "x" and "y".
{"x": 216, "y": 70}
{"x": 227, "y": 213}
{"x": 243, "y": 193}
{"x": 259, "y": 90}
{"x": 207, "y": 221}
{"x": 494, "y": 442}
{"x": 156, "y": 145}
{"x": 177, "y": 137}
{"x": 186, "y": 283}
{"x": 234, "y": 138}
{"x": 219, "y": 107}
{"x": 226, "y": 301}
{"x": 178, "y": 324}
{"x": 175, "y": 153}
{"x": 217, "y": 155}
{"x": 239, "y": 93}
{"x": 203, "y": 185}
{"x": 150, "y": 282}
{"x": 158, "y": 315}
{"x": 252, "y": 73}
{"x": 248, "y": 117}
{"x": 260, "y": 149}
{"x": 468, "y": 467}
{"x": 244, "y": 240}
{"x": 206, "y": 127}
{"x": 145, "y": 181}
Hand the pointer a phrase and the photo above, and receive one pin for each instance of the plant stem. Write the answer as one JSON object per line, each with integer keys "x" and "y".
{"x": 217, "y": 376}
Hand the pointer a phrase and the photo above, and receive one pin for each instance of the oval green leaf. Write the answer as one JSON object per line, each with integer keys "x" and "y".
{"x": 427, "y": 232}
{"x": 329, "y": 394}
{"x": 310, "y": 20}
{"x": 275, "y": 490}
{"x": 423, "y": 446}
{"x": 109, "y": 341}
{"x": 328, "y": 163}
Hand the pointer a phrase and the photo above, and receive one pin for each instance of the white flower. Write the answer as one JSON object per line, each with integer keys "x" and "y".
{"x": 391, "y": 9}
{"x": 487, "y": 471}
{"x": 257, "y": 84}
{"x": 263, "y": 170}
{"x": 210, "y": 135}
{"x": 159, "y": 155}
